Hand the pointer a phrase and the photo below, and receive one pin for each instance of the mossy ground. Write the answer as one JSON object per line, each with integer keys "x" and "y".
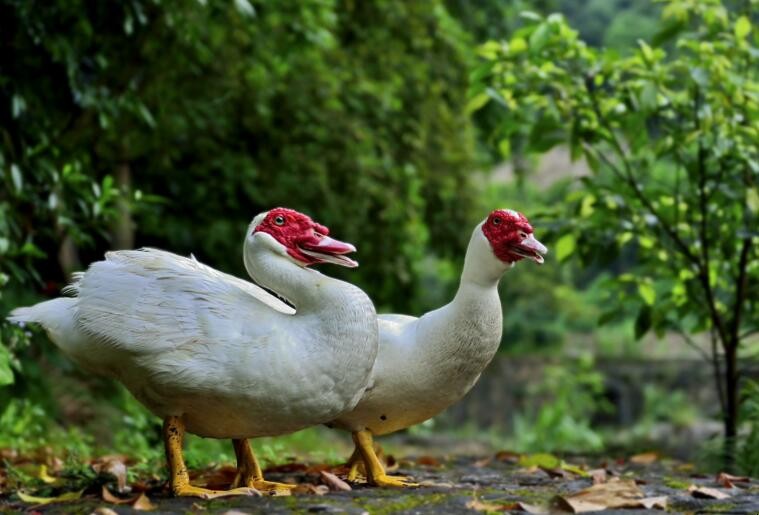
{"x": 452, "y": 485}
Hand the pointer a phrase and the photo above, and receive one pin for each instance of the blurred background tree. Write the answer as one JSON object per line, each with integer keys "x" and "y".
{"x": 675, "y": 162}
{"x": 399, "y": 125}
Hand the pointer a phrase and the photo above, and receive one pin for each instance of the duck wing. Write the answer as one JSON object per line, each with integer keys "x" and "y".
{"x": 149, "y": 300}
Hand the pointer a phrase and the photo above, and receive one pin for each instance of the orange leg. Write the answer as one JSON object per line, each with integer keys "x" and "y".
{"x": 249, "y": 471}
{"x": 179, "y": 479}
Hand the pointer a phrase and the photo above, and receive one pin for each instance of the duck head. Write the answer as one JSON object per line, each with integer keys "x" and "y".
{"x": 297, "y": 237}
{"x": 510, "y": 236}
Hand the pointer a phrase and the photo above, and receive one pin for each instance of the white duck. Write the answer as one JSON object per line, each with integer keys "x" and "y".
{"x": 218, "y": 356}
{"x": 426, "y": 364}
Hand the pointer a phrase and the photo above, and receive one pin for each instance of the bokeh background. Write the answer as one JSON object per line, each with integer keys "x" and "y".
{"x": 400, "y": 125}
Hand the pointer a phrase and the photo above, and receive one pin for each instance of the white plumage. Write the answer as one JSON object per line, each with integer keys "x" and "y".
{"x": 228, "y": 357}
{"x": 426, "y": 364}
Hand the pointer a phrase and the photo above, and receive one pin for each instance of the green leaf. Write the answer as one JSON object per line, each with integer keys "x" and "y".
{"x": 16, "y": 177}
{"x": 648, "y": 54}
{"x": 489, "y": 50}
{"x": 68, "y": 496}
{"x": 504, "y": 147}
{"x": 742, "y": 27}
{"x": 542, "y": 459}
{"x": 517, "y": 45}
{"x": 647, "y": 293}
{"x": 6, "y": 373}
{"x": 477, "y": 102}
{"x": 752, "y": 199}
{"x": 565, "y": 246}
{"x": 539, "y": 38}
{"x": 648, "y": 94}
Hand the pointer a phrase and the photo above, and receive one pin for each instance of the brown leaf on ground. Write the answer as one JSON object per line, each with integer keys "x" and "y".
{"x": 598, "y": 475}
{"x": 478, "y": 505}
{"x": 142, "y": 503}
{"x": 728, "y": 480}
{"x": 110, "y": 498}
{"x": 216, "y": 478}
{"x": 704, "y": 492}
{"x": 391, "y": 464}
{"x": 557, "y": 472}
{"x": 104, "y": 511}
{"x": 428, "y": 461}
{"x": 334, "y": 482}
{"x": 484, "y": 462}
{"x": 645, "y": 458}
{"x": 113, "y": 465}
{"x": 508, "y": 456}
{"x": 615, "y": 493}
{"x": 287, "y": 468}
{"x": 311, "y": 489}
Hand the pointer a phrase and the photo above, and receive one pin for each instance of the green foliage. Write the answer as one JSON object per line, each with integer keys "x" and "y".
{"x": 568, "y": 397}
{"x": 671, "y": 139}
{"x": 175, "y": 123}
{"x": 748, "y": 443}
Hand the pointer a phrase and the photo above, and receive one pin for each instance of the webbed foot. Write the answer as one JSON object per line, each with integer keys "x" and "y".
{"x": 204, "y": 493}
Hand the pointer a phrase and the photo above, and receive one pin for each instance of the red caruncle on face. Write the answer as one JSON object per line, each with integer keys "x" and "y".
{"x": 505, "y": 230}
{"x": 292, "y": 229}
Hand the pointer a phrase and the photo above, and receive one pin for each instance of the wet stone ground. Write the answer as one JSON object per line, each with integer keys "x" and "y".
{"x": 457, "y": 485}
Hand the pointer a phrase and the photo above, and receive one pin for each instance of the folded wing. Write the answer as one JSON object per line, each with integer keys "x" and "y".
{"x": 149, "y": 300}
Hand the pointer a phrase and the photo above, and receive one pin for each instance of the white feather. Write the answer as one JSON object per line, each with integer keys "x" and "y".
{"x": 426, "y": 364}
{"x": 230, "y": 358}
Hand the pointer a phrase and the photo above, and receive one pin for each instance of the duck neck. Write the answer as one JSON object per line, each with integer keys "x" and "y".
{"x": 482, "y": 270}
{"x": 304, "y": 288}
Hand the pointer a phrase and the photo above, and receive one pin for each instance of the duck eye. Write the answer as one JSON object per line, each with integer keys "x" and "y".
{"x": 496, "y": 221}
{"x": 522, "y": 234}
{"x": 279, "y": 220}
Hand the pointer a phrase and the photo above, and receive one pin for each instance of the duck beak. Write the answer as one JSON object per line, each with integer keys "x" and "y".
{"x": 329, "y": 250}
{"x": 530, "y": 248}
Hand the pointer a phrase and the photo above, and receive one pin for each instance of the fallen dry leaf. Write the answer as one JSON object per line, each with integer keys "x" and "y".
{"x": 615, "y": 493}
{"x": 428, "y": 461}
{"x": 334, "y": 482}
{"x": 704, "y": 492}
{"x": 478, "y": 505}
{"x": 110, "y": 498}
{"x": 113, "y": 465}
{"x": 142, "y": 503}
{"x": 508, "y": 456}
{"x": 484, "y": 462}
{"x": 104, "y": 511}
{"x": 645, "y": 458}
{"x": 429, "y": 482}
{"x": 529, "y": 508}
{"x": 598, "y": 475}
{"x": 311, "y": 489}
{"x": 68, "y": 496}
{"x": 391, "y": 464}
{"x": 728, "y": 480}
{"x": 216, "y": 478}
{"x": 287, "y": 468}
{"x": 557, "y": 472}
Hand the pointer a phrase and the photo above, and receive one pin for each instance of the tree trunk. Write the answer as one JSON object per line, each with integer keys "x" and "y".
{"x": 122, "y": 230}
{"x": 731, "y": 412}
